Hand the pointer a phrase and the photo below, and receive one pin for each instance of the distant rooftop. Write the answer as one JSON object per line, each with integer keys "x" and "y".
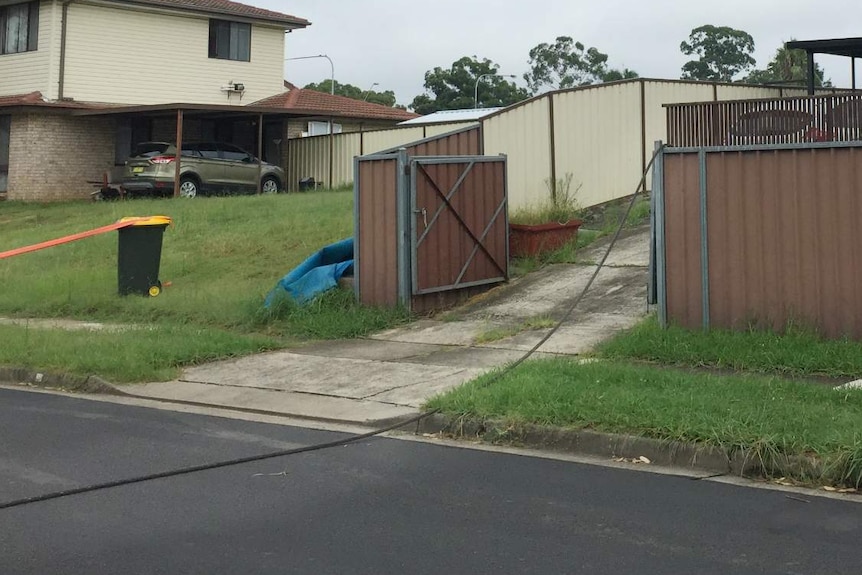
{"x": 303, "y": 99}
{"x": 444, "y": 116}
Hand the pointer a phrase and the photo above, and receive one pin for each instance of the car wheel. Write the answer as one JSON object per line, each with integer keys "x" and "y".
{"x": 188, "y": 188}
{"x": 269, "y": 185}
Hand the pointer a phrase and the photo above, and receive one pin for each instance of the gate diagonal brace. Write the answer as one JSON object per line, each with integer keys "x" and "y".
{"x": 484, "y": 235}
{"x": 460, "y": 220}
{"x": 451, "y": 193}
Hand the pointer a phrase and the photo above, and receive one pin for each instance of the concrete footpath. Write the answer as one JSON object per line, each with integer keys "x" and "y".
{"x": 388, "y": 376}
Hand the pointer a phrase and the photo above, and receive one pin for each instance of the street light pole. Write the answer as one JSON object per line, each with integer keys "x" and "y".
{"x": 332, "y": 93}
{"x": 331, "y": 68}
{"x": 368, "y": 91}
{"x": 479, "y": 79}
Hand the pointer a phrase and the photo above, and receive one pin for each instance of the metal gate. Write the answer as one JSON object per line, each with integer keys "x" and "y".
{"x": 459, "y": 226}
{"x": 430, "y": 230}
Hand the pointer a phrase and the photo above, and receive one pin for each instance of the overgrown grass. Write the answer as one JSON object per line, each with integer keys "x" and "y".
{"x": 333, "y": 315}
{"x": 606, "y": 218}
{"x": 606, "y": 224}
{"x": 529, "y": 324}
{"x": 146, "y": 353}
{"x": 562, "y": 255}
{"x": 796, "y": 352}
{"x": 767, "y": 415}
{"x": 221, "y": 257}
{"x": 560, "y": 205}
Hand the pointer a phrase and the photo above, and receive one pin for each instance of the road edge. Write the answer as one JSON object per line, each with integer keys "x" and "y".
{"x": 61, "y": 381}
{"x": 680, "y": 454}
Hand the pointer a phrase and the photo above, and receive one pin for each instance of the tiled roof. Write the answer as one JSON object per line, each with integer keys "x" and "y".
{"x": 299, "y": 99}
{"x": 227, "y": 8}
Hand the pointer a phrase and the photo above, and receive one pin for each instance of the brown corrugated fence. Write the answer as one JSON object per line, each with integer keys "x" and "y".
{"x": 783, "y": 245}
{"x": 377, "y": 233}
{"x": 466, "y": 244}
{"x": 461, "y": 248}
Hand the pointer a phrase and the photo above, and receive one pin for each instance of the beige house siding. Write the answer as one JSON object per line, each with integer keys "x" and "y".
{"x": 30, "y": 71}
{"x": 130, "y": 56}
{"x": 40, "y": 165}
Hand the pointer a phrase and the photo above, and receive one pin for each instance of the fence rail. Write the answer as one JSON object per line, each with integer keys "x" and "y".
{"x": 830, "y": 118}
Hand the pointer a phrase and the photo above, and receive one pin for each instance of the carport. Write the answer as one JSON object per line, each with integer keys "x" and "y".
{"x": 848, "y": 47}
{"x": 258, "y": 129}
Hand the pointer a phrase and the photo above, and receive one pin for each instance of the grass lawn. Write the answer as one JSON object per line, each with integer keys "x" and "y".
{"x": 768, "y": 415}
{"x": 793, "y": 353}
{"x": 221, "y": 256}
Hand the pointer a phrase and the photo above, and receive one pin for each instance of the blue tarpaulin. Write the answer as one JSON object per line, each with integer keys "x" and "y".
{"x": 317, "y": 274}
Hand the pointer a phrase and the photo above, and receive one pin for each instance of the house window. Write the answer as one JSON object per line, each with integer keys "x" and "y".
{"x": 19, "y": 28}
{"x": 322, "y": 128}
{"x": 230, "y": 40}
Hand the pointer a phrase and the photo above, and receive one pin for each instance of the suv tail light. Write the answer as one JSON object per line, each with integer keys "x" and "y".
{"x": 162, "y": 159}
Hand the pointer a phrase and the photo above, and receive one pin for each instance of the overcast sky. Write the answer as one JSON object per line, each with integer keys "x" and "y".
{"x": 394, "y": 42}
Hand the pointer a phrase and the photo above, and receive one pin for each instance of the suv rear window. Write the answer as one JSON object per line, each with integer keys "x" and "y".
{"x": 149, "y": 149}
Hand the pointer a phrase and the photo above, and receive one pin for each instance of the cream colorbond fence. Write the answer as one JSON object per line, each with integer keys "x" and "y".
{"x": 602, "y": 135}
{"x": 311, "y": 158}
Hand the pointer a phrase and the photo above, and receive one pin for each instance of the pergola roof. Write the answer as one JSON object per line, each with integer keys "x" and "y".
{"x": 849, "y": 47}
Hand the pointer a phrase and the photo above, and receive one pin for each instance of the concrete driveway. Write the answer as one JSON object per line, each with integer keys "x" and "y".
{"x": 389, "y": 375}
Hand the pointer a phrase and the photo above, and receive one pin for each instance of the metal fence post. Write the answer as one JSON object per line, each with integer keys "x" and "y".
{"x": 704, "y": 247}
{"x": 404, "y": 206}
{"x": 659, "y": 215}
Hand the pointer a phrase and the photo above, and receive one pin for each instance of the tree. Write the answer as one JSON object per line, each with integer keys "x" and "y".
{"x": 566, "y": 63}
{"x": 788, "y": 67}
{"x": 453, "y": 88}
{"x": 386, "y": 98}
{"x": 722, "y": 52}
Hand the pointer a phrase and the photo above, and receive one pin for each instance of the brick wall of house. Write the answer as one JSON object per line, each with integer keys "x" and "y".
{"x": 295, "y": 128}
{"x": 54, "y": 156}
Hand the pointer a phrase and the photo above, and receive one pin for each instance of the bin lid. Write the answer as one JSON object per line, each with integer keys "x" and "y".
{"x": 148, "y": 220}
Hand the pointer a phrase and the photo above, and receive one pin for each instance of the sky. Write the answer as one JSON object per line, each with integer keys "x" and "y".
{"x": 394, "y": 42}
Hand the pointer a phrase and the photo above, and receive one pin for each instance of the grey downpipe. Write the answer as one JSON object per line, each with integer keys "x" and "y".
{"x": 63, "y": 25}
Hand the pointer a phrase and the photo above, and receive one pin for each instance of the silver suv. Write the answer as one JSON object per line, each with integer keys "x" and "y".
{"x": 206, "y": 168}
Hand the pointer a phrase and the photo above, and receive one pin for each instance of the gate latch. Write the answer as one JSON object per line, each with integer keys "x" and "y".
{"x": 424, "y": 213}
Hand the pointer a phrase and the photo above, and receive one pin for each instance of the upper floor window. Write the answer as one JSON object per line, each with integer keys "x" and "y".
{"x": 230, "y": 40}
{"x": 19, "y": 27}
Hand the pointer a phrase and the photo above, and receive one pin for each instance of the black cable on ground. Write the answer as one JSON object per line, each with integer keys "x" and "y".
{"x": 353, "y": 438}
{"x": 208, "y": 466}
{"x": 509, "y": 367}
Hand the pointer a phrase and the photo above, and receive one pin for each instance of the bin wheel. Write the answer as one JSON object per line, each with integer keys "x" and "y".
{"x": 155, "y": 289}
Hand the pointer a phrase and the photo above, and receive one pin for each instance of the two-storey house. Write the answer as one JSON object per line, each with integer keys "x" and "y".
{"x": 81, "y": 81}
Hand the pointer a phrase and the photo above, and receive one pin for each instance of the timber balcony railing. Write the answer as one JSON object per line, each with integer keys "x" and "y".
{"x": 830, "y": 118}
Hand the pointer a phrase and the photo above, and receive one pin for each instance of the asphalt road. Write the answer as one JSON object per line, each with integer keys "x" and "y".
{"x": 378, "y": 506}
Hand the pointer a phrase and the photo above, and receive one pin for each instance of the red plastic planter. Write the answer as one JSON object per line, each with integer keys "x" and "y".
{"x": 532, "y": 240}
